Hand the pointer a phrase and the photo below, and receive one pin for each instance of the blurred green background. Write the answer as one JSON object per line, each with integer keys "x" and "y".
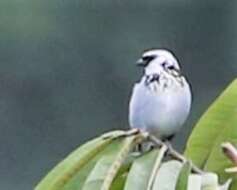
{"x": 67, "y": 69}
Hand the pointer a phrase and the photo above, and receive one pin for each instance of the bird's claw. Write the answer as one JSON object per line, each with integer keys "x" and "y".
{"x": 171, "y": 151}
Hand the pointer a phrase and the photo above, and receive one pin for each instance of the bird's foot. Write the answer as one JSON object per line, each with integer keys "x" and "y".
{"x": 173, "y": 153}
{"x": 178, "y": 156}
{"x": 156, "y": 142}
{"x": 144, "y": 146}
{"x": 170, "y": 150}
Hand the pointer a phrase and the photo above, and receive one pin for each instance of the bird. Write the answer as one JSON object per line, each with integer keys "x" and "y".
{"x": 161, "y": 101}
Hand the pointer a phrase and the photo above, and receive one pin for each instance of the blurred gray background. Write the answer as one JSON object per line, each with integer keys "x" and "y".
{"x": 67, "y": 69}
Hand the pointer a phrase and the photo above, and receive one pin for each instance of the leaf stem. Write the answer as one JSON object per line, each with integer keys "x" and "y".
{"x": 156, "y": 167}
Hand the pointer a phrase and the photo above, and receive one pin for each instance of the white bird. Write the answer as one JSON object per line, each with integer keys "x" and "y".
{"x": 161, "y": 101}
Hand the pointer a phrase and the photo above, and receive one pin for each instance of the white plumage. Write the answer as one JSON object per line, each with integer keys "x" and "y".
{"x": 161, "y": 101}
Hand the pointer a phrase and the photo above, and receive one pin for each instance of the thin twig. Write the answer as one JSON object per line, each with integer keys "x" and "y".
{"x": 170, "y": 150}
{"x": 156, "y": 166}
{"x": 173, "y": 153}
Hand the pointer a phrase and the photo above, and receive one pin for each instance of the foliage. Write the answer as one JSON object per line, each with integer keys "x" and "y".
{"x": 110, "y": 161}
{"x": 217, "y": 125}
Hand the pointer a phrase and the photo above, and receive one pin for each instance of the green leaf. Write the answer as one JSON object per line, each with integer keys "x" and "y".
{"x": 98, "y": 174}
{"x": 140, "y": 172}
{"x": 119, "y": 182}
{"x": 107, "y": 168}
{"x": 167, "y": 175}
{"x": 217, "y": 162}
{"x": 69, "y": 167}
{"x": 78, "y": 180}
{"x": 182, "y": 182}
{"x": 214, "y": 126}
{"x": 233, "y": 185}
{"x": 120, "y": 179}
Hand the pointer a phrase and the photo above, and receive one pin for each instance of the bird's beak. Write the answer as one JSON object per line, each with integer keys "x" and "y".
{"x": 140, "y": 62}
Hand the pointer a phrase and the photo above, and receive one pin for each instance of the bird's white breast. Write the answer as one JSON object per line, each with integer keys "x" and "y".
{"x": 160, "y": 110}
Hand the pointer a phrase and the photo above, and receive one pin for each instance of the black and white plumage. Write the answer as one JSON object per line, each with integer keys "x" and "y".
{"x": 161, "y": 101}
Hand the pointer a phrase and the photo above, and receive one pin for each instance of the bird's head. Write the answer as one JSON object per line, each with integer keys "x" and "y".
{"x": 159, "y": 60}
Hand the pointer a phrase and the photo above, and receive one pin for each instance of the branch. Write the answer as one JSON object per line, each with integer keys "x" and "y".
{"x": 173, "y": 153}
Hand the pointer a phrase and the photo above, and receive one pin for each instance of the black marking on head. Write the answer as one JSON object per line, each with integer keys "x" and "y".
{"x": 162, "y": 48}
{"x": 166, "y": 65}
{"x": 152, "y": 78}
{"x": 147, "y": 59}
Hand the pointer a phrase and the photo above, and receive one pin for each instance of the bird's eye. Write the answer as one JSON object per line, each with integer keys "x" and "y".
{"x": 171, "y": 67}
{"x": 164, "y": 64}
